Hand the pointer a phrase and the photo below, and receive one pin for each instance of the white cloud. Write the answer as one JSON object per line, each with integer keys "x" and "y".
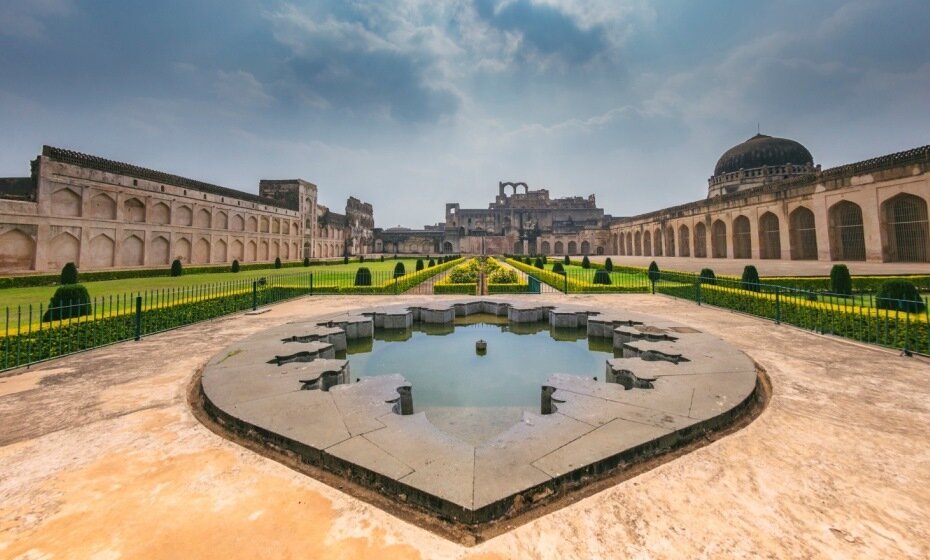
{"x": 241, "y": 88}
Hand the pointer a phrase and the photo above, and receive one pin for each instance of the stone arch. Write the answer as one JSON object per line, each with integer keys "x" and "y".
{"x": 250, "y": 251}
{"x": 518, "y": 247}
{"x": 66, "y": 202}
{"x": 286, "y": 227}
{"x": 161, "y": 214}
{"x": 285, "y": 250}
{"x": 101, "y": 251}
{"x": 221, "y": 221}
{"x": 132, "y": 251}
{"x": 17, "y": 250}
{"x": 657, "y": 243}
{"x": 203, "y": 218}
{"x": 559, "y": 248}
{"x": 904, "y": 229}
{"x": 769, "y": 236}
{"x": 159, "y": 250}
{"x": 263, "y": 224}
{"x": 546, "y": 249}
{"x": 638, "y": 244}
{"x": 134, "y": 211}
{"x": 183, "y": 215}
{"x": 585, "y": 247}
{"x": 719, "y": 240}
{"x": 220, "y": 251}
{"x": 275, "y": 225}
{"x": 251, "y": 224}
{"x": 182, "y": 250}
{"x": 103, "y": 207}
{"x": 742, "y": 238}
{"x": 237, "y": 250}
{"x": 201, "y": 251}
{"x": 294, "y": 251}
{"x": 64, "y": 248}
{"x": 238, "y": 223}
{"x": 275, "y": 250}
{"x": 684, "y": 241}
{"x": 647, "y": 244}
{"x": 670, "y": 241}
{"x": 572, "y": 248}
{"x": 802, "y": 234}
{"x": 599, "y": 250}
{"x": 700, "y": 240}
{"x": 263, "y": 250}
{"x": 847, "y": 233}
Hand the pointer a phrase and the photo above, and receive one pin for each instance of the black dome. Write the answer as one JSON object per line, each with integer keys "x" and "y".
{"x": 762, "y": 150}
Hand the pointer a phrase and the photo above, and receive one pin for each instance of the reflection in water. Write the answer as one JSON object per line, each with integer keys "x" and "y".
{"x": 441, "y": 364}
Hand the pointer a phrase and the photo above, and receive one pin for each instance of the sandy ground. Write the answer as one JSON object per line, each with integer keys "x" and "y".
{"x": 100, "y": 457}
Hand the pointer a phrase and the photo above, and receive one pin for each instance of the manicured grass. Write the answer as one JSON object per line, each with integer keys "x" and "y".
{"x": 13, "y": 297}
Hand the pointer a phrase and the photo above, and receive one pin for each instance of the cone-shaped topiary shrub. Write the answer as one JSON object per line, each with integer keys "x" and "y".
{"x": 69, "y": 274}
{"x": 900, "y": 295}
{"x": 363, "y": 276}
{"x": 539, "y": 263}
{"x": 431, "y": 263}
{"x": 566, "y": 261}
{"x": 708, "y": 277}
{"x": 585, "y": 262}
{"x": 750, "y": 279}
{"x": 399, "y": 270}
{"x": 176, "y": 268}
{"x": 601, "y": 276}
{"x": 70, "y": 300}
{"x": 840, "y": 280}
{"x": 235, "y": 265}
{"x": 361, "y": 258}
{"x": 653, "y": 272}
{"x": 277, "y": 262}
{"x": 382, "y": 258}
{"x": 306, "y": 261}
{"x": 609, "y": 265}
{"x": 419, "y": 265}
{"x": 558, "y": 268}
{"x": 345, "y": 259}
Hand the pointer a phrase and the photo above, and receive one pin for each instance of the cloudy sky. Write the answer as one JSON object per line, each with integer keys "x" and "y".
{"x": 414, "y": 103}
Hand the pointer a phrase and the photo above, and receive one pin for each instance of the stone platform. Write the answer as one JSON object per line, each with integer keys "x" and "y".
{"x": 282, "y": 387}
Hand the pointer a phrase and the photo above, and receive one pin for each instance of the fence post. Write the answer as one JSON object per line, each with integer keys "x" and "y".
{"x": 565, "y": 282}
{"x": 138, "y": 318}
{"x": 777, "y": 305}
{"x": 254, "y": 295}
{"x": 697, "y": 290}
{"x": 311, "y": 283}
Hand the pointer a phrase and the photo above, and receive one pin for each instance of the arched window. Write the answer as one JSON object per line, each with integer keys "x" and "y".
{"x": 585, "y": 248}
{"x": 134, "y": 211}
{"x": 847, "y": 235}
{"x": 802, "y": 234}
{"x": 559, "y": 248}
{"x": 545, "y": 248}
{"x": 572, "y": 248}
{"x": 719, "y": 240}
{"x": 742, "y": 238}
{"x": 700, "y": 240}
{"x": 518, "y": 248}
{"x": 684, "y": 241}
{"x": 905, "y": 231}
{"x": 769, "y": 237}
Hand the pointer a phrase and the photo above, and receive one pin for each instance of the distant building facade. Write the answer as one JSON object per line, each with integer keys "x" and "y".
{"x": 102, "y": 214}
{"x": 767, "y": 200}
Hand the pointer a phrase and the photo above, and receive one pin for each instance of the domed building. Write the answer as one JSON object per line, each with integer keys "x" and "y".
{"x": 761, "y": 159}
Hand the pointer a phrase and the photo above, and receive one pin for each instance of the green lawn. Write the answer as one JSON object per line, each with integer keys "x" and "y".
{"x": 13, "y": 297}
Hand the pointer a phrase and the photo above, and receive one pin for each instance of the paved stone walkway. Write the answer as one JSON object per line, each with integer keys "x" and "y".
{"x": 101, "y": 458}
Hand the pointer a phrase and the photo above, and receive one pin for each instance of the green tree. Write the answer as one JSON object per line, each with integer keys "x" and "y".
{"x": 750, "y": 278}
{"x": 585, "y": 262}
{"x": 419, "y": 265}
{"x": 431, "y": 263}
{"x": 707, "y": 276}
{"x": 306, "y": 261}
{"x": 558, "y": 268}
{"x": 654, "y": 273}
{"x": 399, "y": 270}
{"x": 363, "y": 276}
{"x": 900, "y": 295}
{"x": 69, "y": 274}
{"x": 840, "y": 280}
{"x": 609, "y": 265}
{"x": 69, "y": 300}
{"x": 566, "y": 261}
{"x": 176, "y": 268}
{"x": 277, "y": 262}
{"x": 235, "y": 265}
{"x": 601, "y": 276}
{"x": 539, "y": 263}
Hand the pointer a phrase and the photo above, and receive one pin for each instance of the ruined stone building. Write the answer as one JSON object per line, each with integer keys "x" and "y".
{"x": 767, "y": 200}
{"x": 103, "y": 214}
{"x": 520, "y": 222}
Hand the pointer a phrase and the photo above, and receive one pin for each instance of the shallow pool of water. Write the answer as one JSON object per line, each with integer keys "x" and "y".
{"x": 445, "y": 370}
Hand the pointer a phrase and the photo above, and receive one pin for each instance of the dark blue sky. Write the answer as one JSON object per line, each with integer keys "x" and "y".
{"x": 412, "y": 104}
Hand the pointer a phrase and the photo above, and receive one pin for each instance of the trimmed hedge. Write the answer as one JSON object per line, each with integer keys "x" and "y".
{"x": 70, "y": 300}
{"x": 510, "y": 288}
{"x": 69, "y": 274}
{"x": 442, "y": 288}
